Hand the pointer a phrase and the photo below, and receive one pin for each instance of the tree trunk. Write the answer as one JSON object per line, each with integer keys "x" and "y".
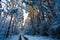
{"x": 7, "y": 34}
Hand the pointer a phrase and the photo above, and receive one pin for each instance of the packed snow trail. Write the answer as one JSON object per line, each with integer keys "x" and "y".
{"x": 16, "y": 37}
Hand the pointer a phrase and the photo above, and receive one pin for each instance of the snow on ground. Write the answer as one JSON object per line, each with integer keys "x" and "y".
{"x": 16, "y": 37}
{"x": 39, "y": 38}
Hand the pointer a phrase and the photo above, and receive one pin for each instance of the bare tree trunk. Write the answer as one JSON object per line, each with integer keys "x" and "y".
{"x": 43, "y": 18}
{"x": 0, "y": 6}
{"x": 32, "y": 22}
{"x": 8, "y": 31}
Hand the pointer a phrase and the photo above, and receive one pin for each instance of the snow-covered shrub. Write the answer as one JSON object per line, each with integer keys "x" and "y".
{"x": 44, "y": 29}
{"x": 41, "y": 30}
{"x": 54, "y": 31}
{"x": 28, "y": 30}
{"x": 54, "y": 27}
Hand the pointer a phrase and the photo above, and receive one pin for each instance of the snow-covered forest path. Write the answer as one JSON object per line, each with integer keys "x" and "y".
{"x": 16, "y": 37}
